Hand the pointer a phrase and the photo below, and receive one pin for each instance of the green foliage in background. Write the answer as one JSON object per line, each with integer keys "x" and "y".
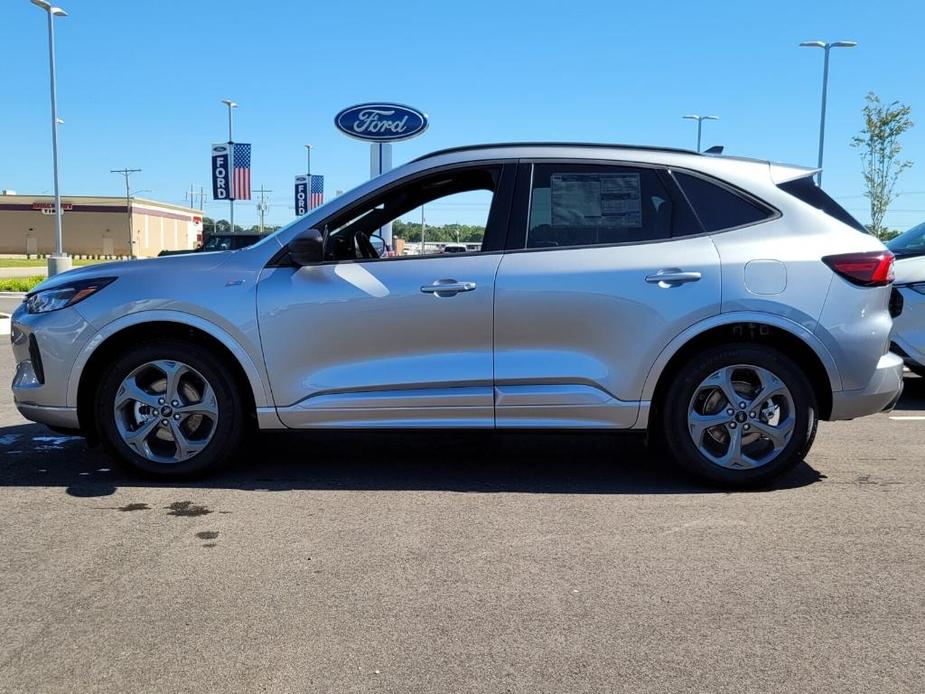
{"x": 19, "y": 284}
{"x": 448, "y": 233}
{"x": 880, "y": 147}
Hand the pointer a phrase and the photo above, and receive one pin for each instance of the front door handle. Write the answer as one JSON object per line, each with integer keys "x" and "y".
{"x": 448, "y": 287}
{"x": 672, "y": 277}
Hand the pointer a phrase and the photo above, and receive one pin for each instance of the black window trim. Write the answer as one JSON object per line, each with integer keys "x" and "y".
{"x": 523, "y": 200}
{"x": 501, "y": 206}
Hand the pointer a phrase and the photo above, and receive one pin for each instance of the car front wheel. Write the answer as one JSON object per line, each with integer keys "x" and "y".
{"x": 740, "y": 415}
{"x": 170, "y": 409}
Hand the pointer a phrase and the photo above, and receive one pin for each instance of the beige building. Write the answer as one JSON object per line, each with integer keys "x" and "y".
{"x": 96, "y": 226}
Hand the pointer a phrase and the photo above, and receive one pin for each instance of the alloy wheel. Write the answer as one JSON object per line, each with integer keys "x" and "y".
{"x": 741, "y": 416}
{"x": 166, "y": 411}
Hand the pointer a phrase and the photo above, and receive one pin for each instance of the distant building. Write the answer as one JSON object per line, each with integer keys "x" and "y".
{"x": 96, "y": 226}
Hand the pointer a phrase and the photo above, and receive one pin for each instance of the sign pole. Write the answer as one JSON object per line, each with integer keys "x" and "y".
{"x": 308, "y": 154}
{"x": 380, "y": 161}
{"x": 231, "y": 105}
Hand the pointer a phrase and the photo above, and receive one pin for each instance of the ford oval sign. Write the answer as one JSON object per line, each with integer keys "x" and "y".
{"x": 381, "y": 122}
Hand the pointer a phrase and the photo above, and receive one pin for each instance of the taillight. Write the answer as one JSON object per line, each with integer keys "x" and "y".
{"x": 871, "y": 269}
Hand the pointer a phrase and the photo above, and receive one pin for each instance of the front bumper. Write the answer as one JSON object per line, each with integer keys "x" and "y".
{"x": 881, "y": 393}
{"x": 45, "y": 347}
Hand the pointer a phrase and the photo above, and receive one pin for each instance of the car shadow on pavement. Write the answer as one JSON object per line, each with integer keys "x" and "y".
{"x": 561, "y": 462}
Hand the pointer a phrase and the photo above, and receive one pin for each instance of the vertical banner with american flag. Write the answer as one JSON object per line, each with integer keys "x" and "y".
{"x": 316, "y": 197}
{"x": 240, "y": 171}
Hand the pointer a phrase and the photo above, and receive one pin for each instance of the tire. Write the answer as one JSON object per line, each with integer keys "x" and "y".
{"x": 770, "y": 443}
{"x": 200, "y": 436}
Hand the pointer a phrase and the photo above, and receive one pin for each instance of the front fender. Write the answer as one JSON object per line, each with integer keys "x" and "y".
{"x": 253, "y": 369}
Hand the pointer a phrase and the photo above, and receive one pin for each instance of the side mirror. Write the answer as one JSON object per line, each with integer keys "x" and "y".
{"x": 307, "y": 248}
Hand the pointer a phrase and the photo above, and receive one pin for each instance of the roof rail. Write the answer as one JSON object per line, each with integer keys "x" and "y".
{"x": 500, "y": 145}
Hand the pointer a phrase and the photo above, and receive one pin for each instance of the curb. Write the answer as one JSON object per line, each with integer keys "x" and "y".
{"x": 4, "y": 324}
{"x": 12, "y": 295}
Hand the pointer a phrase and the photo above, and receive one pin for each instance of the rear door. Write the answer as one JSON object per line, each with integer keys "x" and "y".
{"x": 606, "y": 264}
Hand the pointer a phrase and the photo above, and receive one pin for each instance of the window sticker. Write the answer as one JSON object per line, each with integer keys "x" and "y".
{"x": 596, "y": 200}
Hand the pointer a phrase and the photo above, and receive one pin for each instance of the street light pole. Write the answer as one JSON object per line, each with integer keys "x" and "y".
{"x": 231, "y": 105}
{"x": 57, "y": 262}
{"x": 128, "y": 207}
{"x": 308, "y": 151}
{"x": 700, "y": 120}
{"x": 826, "y": 46}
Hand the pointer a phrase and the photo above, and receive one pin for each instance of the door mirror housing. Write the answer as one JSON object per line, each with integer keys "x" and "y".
{"x": 307, "y": 248}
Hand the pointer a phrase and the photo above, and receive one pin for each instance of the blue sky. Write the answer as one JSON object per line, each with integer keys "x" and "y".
{"x": 140, "y": 85}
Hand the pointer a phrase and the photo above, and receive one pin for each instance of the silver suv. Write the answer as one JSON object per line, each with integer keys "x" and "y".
{"x": 722, "y": 305}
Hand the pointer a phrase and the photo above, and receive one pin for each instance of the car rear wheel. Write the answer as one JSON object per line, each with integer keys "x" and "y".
{"x": 170, "y": 409}
{"x": 740, "y": 415}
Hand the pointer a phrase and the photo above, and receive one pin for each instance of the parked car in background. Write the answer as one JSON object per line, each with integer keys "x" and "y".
{"x": 220, "y": 242}
{"x": 721, "y": 305}
{"x": 909, "y": 327}
{"x": 455, "y": 248}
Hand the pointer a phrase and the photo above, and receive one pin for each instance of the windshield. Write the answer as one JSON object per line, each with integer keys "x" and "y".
{"x": 911, "y": 242}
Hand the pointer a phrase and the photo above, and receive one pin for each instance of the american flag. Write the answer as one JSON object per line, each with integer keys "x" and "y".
{"x": 241, "y": 176}
{"x": 316, "y": 198}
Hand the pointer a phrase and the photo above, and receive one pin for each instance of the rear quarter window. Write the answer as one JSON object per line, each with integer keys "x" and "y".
{"x": 718, "y": 207}
{"x": 806, "y": 190}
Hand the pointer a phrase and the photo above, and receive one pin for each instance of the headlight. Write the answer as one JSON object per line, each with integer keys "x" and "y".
{"x": 66, "y": 295}
{"x": 918, "y": 287}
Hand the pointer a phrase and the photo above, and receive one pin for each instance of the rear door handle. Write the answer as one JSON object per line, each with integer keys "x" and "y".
{"x": 672, "y": 277}
{"x": 448, "y": 287}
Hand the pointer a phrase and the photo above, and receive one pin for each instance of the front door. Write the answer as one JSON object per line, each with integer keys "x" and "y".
{"x": 402, "y": 340}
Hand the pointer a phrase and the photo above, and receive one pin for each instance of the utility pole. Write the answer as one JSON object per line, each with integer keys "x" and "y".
{"x": 262, "y": 205}
{"x": 192, "y": 193}
{"x": 202, "y": 198}
{"x": 128, "y": 206}
{"x": 422, "y": 229}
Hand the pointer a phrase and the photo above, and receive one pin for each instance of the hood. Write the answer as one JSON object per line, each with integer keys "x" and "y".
{"x": 192, "y": 262}
{"x": 909, "y": 270}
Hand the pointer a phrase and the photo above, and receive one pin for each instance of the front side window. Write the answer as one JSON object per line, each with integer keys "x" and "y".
{"x": 586, "y": 205}
{"x": 452, "y": 208}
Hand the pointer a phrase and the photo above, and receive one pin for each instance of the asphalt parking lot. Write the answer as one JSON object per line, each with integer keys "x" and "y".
{"x": 449, "y": 563}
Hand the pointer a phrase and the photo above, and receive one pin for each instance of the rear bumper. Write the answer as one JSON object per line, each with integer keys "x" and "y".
{"x": 881, "y": 393}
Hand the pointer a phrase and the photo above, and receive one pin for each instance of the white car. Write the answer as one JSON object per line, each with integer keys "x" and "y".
{"x": 909, "y": 327}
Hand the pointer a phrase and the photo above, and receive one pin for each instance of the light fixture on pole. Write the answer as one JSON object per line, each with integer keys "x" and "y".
{"x": 700, "y": 120}
{"x": 231, "y": 105}
{"x": 826, "y": 46}
{"x": 58, "y": 262}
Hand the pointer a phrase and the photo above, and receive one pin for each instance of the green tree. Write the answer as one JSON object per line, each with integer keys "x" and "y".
{"x": 880, "y": 147}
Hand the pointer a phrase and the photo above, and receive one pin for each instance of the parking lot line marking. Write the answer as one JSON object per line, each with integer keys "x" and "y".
{"x": 909, "y": 418}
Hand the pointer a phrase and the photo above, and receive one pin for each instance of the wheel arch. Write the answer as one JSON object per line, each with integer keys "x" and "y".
{"x": 139, "y": 327}
{"x": 791, "y": 338}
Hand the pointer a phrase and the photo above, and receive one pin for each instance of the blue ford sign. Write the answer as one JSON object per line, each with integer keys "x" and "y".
{"x": 381, "y": 122}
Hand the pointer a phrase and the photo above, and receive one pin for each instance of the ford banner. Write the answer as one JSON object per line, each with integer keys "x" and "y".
{"x": 301, "y": 195}
{"x": 221, "y": 177}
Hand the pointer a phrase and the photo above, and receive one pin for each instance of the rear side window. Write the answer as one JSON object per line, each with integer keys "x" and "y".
{"x": 717, "y": 207}
{"x": 586, "y": 205}
{"x": 805, "y": 189}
